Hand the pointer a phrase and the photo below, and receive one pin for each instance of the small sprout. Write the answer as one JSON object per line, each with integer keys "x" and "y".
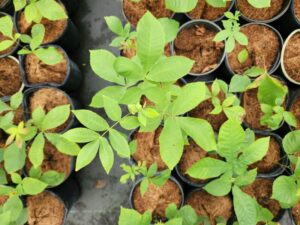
{"x": 7, "y": 30}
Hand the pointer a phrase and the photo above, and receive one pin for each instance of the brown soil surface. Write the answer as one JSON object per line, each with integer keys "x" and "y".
{"x": 292, "y": 57}
{"x": 296, "y": 213}
{"x": 54, "y": 29}
{"x": 3, "y": 199}
{"x": 260, "y": 14}
{"x": 3, "y": 38}
{"x": 208, "y": 12}
{"x": 203, "y": 111}
{"x": 38, "y": 72}
{"x": 148, "y": 148}
{"x": 10, "y": 77}
{"x": 156, "y": 199}
{"x": 295, "y": 109}
{"x": 197, "y": 43}
{"x": 297, "y": 8}
{"x": 53, "y": 160}
{"x": 253, "y": 111}
{"x": 263, "y": 48}
{"x": 271, "y": 160}
{"x": 45, "y": 209}
{"x": 192, "y": 153}
{"x": 210, "y": 206}
{"x": 47, "y": 99}
{"x": 134, "y": 11}
{"x": 261, "y": 190}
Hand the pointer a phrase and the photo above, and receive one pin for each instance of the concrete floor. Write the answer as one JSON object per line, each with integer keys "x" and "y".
{"x": 102, "y": 195}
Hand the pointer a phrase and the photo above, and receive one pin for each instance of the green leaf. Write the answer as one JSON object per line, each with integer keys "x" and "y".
{"x": 33, "y": 186}
{"x": 247, "y": 178}
{"x": 144, "y": 186}
{"x": 102, "y": 63}
{"x": 14, "y": 158}
{"x": 244, "y": 207}
{"x": 260, "y": 3}
{"x": 19, "y": 4}
{"x": 171, "y": 143}
{"x": 49, "y": 55}
{"x": 114, "y": 24}
{"x": 15, "y": 206}
{"x": 113, "y": 92}
{"x": 5, "y": 217}
{"x": 241, "y": 38}
{"x": 81, "y": 135}
{"x": 51, "y": 9}
{"x": 256, "y": 151}
{"x": 6, "y": 26}
{"x": 254, "y": 72}
{"x": 208, "y": 168}
{"x": 106, "y": 155}
{"x": 170, "y": 27}
{"x": 291, "y": 142}
{"x": 285, "y": 191}
{"x": 243, "y": 56}
{"x": 56, "y": 117}
{"x": 53, "y": 178}
{"x": 222, "y": 35}
{"x": 229, "y": 44}
{"x": 170, "y": 69}
{"x": 37, "y": 33}
{"x": 132, "y": 217}
{"x": 290, "y": 119}
{"x": 6, "y": 44}
{"x": 87, "y": 154}
{"x": 151, "y": 36}
{"x": 130, "y": 122}
{"x": 217, "y": 3}
{"x": 239, "y": 83}
{"x": 128, "y": 68}
{"x": 220, "y": 186}
{"x": 200, "y": 131}
{"x": 112, "y": 108}
{"x": 180, "y": 6}
{"x": 231, "y": 138}
{"x": 91, "y": 120}
{"x": 63, "y": 145}
{"x": 36, "y": 152}
{"x": 3, "y": 179}
{"x": 119, "y": 143}
{"x": 190, "y": 97}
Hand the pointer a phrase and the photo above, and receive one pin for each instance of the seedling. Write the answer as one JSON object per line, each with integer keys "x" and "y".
{"x": 7, "y": 30}
{"x": 35, "y": 10}
{"x": 150, "y": 176}
{"x": 48, "y": 55}
{"x": 232, "y": 33}
{"x": 239, "y": 149}
{"x": 286, "y": 189}
{"x": 230, "y": 105}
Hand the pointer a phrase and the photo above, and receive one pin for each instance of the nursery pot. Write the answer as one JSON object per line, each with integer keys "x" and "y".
{"x": 131, "y": 195}
{"x": 280, "y": 169}
{"x": 206, "y": 76}
{"x": 6, "y": 97}
{"x": 246, "y": 125}
{"x": 69, "y": 39}
{"x": 73, "y": 103}
{"x": 285, "y": 73}
{"x": 7, "y": 6}
{"x": 276, "y": 61}
{"x": 66, "y": 194}
{"x": 217, "y": 20}
{"x": 284, "y": 9}
{"x": 14, "y": 48}
{"x": 73, "y": 74}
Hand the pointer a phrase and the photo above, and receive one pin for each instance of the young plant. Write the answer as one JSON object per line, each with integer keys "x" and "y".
{"x": 232, "y": 33}
{"x": 149, "y": 74}
{"x": 48, "y": 55}
{"x": 239, "y": 149}
{"x": 7, "y": 30}
{"x": 230, "y": 105}
{"x": 36, "y": 10}
{"x": 286, "y": 189}
{"x": 150, "y": 176}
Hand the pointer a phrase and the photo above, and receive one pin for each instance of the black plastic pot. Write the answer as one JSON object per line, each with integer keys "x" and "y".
{"x": 69, "y": 39}
{"x": 73, "y": 77}
{"x": 282, "y": 58}
{"x": 208, "y": 76}
{"x": 73, "y": 102}
{"x": 71, "y": 6}
{"x": 285, "y": 106}
{"x": 140, "y": 180}
{"x": 218, "y": 20}
{"x": 7, "y": 6}
{"x": 277, "y": 60}
{"x": 283, "y": 161}
{"x": 68, "y": 193}
{"x": 2, "y": 14}
{"x": 6, "y": 98}
{"x": 278, "y": 16}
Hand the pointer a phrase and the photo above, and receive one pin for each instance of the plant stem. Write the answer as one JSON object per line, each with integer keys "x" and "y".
{"x": 115, "y": 124}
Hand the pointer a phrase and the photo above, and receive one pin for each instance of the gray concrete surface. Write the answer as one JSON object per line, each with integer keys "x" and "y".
{"x": 102, "y": 195}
